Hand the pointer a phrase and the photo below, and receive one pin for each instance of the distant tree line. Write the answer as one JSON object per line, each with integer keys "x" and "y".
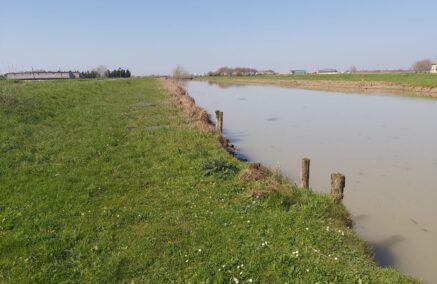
{"x": 238, "y": 71}
{"x": 103, "y": 72}
{"x": 89, "y": 74}
{"x": 119, "y": 73}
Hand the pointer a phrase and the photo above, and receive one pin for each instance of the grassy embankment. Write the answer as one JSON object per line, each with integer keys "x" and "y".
{"x": 106, "y": 180}
{"x": 402, "y": 79}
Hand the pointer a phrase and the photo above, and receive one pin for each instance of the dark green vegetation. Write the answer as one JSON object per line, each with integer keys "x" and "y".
{"x": 408, "y": 79}
{"x": 117, "y": 73}
{"x": 106, "y": 181}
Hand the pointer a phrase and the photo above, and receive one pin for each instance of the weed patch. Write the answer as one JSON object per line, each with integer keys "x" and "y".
{"x": 220, "y": 167}
{"x": 7, "y": 100}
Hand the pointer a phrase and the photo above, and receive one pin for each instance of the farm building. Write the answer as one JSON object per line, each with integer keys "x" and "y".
{"x": 266, "y": 72}
{"x": 42, "y": 75}
{"x": 327, "y": 71}
{"x": 298, "y": 72}
{"x": 434, "y": 68}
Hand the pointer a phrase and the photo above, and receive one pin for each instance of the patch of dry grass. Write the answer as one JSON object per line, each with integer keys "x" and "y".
{"x": 7, "y": 99}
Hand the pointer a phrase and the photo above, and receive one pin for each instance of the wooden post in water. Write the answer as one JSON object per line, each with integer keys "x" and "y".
{"x": 338, "y": 182}
{"x": 217, "y": 121}
{"x": 221, "y": 122}
{"x": 305, "y": 173}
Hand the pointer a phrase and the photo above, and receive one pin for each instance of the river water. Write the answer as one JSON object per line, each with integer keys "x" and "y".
{"x": 385, "y": 145}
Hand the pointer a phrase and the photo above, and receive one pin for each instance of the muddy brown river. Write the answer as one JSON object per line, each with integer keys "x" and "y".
{"x": 385, "y": 145}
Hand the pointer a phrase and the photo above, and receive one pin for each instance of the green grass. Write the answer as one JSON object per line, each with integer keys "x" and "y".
{"x": 106, "y": 181}
{"x": 408, "y": 79}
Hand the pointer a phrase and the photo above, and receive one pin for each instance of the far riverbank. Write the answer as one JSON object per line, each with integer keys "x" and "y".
{"x": 411, "y": 84}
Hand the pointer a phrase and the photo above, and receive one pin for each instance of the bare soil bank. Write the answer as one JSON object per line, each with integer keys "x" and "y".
{"x": 337, "y": 85}
{"x": 198, "y": 116}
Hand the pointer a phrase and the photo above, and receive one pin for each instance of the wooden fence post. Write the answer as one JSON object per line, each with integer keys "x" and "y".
{"x": 221, "y": 122}
{"x": 338, "y": 182}
{"x": 217, "y": 121}
{"x": 305, "y": 173}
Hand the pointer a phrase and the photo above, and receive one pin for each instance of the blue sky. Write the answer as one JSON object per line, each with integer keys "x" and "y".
{"x": 151, "y": 37}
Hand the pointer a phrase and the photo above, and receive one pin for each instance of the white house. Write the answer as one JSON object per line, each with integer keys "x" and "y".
{"x": 434, "y": 68}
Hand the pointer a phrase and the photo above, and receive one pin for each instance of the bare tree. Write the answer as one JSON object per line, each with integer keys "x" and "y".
{"x": 101, "y": 70}
{"x": 353, "y": 69}
{"x": 422, "y": 66}
{"x": 180, "y": 72}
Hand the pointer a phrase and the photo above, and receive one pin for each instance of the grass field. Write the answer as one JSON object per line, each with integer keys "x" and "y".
{"x": 106, "y": 181}
{"x": 407, "y": 79}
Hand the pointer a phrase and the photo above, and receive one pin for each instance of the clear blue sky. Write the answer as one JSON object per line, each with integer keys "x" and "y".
{"x": 154, "y": 36}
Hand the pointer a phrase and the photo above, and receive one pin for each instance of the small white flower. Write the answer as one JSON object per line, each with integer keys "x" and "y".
{"x": 241, "y": 272}
{"x": 307, "y": 270}
{"x": 307, "y": 228}
{"x": 199, "y": 250}
{"x": 248, "y": 221}
{"x": 250, "y": 280}
{"x": 236, "y": 280}
{"x": 335, "y": 258}
{"x": 327, "y": 228}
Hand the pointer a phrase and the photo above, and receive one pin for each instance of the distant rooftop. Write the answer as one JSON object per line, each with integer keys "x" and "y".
{"x": 328, "y": 70}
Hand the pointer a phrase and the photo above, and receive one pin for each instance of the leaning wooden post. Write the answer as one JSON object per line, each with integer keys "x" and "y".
{"x": 221, "y": 122}
{"x": 338, "y": 182}
{"x": 305, "y": 173}
{"x": 217, "y": 121}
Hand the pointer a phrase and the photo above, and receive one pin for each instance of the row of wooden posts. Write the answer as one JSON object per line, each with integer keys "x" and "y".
{"x": 338, "y": 180}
